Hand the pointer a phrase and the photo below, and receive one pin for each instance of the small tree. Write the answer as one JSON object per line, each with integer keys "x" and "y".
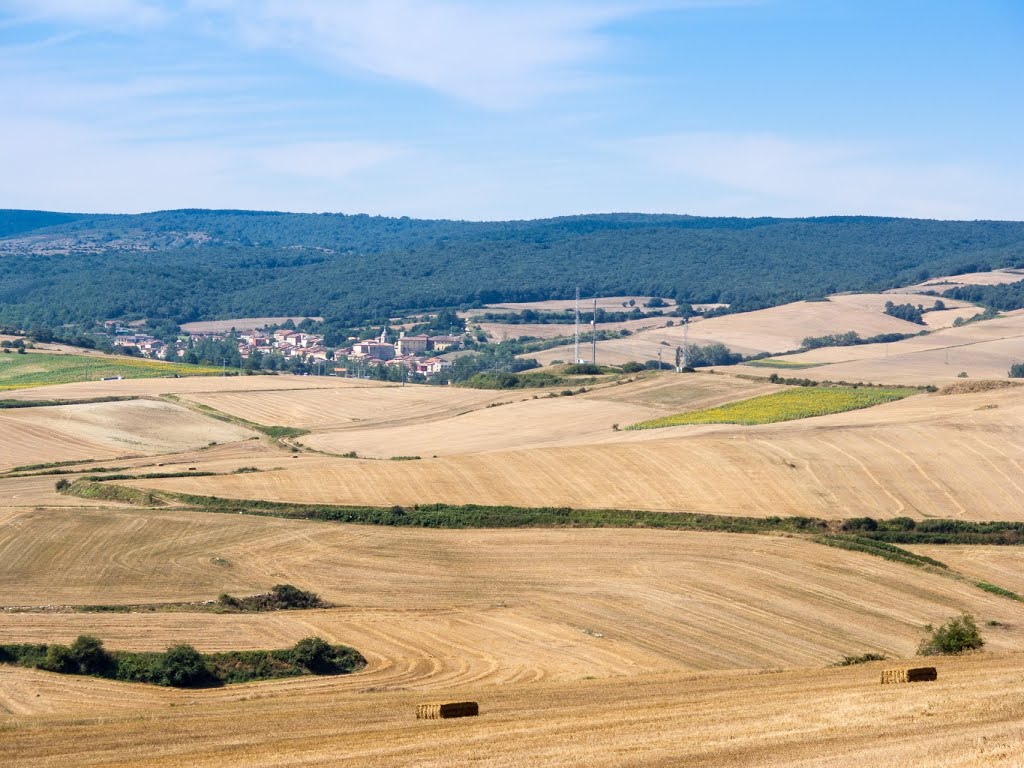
{"x": 315, "y": 654}
{"x": 1017, "y": 371}
{"x": 183, "y": 667}
{"x": 955, "y": 636}
{"x": 90, "y": 656}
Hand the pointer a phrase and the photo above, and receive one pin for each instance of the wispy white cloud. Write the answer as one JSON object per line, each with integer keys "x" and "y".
{"x": 102, "y": 13}
{"x": 497, "y": 54}
{"x": 791, "y": 177}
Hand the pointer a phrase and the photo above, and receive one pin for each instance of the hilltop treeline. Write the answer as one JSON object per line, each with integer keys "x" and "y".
{"x": 189, "y": 265}
{"x": 996, "y": 297}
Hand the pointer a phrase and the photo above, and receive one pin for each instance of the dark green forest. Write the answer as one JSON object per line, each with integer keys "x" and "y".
{"x": 196, "y": 264}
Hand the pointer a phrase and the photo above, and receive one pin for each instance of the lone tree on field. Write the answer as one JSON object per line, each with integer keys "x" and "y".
{"x": 954, "y": 637}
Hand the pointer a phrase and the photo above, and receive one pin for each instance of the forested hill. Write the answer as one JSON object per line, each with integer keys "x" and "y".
{"x": 199, "y": 264}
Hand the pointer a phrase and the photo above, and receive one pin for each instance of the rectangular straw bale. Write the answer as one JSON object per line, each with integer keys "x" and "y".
{"x": 439, "y": 711}
{"x": 922, "y": 674}
{"x": 914, "y": 675}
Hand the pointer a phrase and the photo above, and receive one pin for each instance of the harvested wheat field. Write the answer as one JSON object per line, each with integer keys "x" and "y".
{"x": 518, "y": 420}
{"x": 1003, "y": 566}
{"x": 609, "y": 303}
{"x": 941, "y": 284}
{"x": 890, "y": 460}
{"x": 982, "y": 350}
{"x": 502, "y": 331}
{"x": 101, "y": 430}
{"x": 360, "y": 405}
{"x": 170, "y": 385}
{"x": 386, "y": 421}
{"x": 520, "y": 620}
{"x": 432, "y": 608}
{"x": 778, "y": 329}
{"x": 969, "y": 718}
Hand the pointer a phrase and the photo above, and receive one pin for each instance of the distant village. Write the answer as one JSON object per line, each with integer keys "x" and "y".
{"x": 422, "y": 354}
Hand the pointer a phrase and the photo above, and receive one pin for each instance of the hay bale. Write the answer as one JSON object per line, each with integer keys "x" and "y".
{"x": 913, "y": 675}
{"x": 443, "y": 711}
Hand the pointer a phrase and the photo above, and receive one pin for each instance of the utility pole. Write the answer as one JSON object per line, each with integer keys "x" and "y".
{"x": 576, "y": 356}
{"x": 686, "y": 344}
{"x": 593, "y": 333}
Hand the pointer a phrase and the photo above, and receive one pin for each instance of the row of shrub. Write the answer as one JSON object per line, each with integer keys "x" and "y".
{"x": 880, "y": 549}
{"x": 281, "y": 597}
{"x": 182, "y": 666}
{"x": 905, "y": 530}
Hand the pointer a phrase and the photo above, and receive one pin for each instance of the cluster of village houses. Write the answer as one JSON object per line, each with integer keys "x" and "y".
{"x": 410, "y": 351}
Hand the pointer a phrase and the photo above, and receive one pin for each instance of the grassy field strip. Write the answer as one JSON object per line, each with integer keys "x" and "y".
{"x": 39, "y": 370}
{"x": 275, "y": 433}
{"x": 798, "y": 403}
{"x": 787, "y": 364}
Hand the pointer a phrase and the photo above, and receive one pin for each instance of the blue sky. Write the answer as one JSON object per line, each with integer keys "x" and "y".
{"x": 487, "y": 110}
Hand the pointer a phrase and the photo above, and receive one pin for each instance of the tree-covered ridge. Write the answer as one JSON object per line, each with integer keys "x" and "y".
{"x": 18, "y": 222}
{"x": 188, "y": 265}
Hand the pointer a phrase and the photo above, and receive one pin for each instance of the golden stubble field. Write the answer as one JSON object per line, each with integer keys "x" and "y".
{"x": 982, "y": 350}
{"x": 601, "y": 646}
{"x": 105, "y": 430}
{"x": 954, "y": 456}
{"x": 777, "y": 329}
{"x": 584, "y": 647}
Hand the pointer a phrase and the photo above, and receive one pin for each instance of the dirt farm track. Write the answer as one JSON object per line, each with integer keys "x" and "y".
{"x": 583, "y": 646}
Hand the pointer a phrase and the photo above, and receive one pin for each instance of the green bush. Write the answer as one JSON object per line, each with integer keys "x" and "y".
{"x": 90, "y": 656}
{"x": 583, "y": 369}
{"x": 954, "y": 637}
{"x": 860, "y": 524}
{"x": 314, "y": 654}
{"x": 287, "y": 596}
{"x": 59, "y": 659}
{"x": 183, "y": 667}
